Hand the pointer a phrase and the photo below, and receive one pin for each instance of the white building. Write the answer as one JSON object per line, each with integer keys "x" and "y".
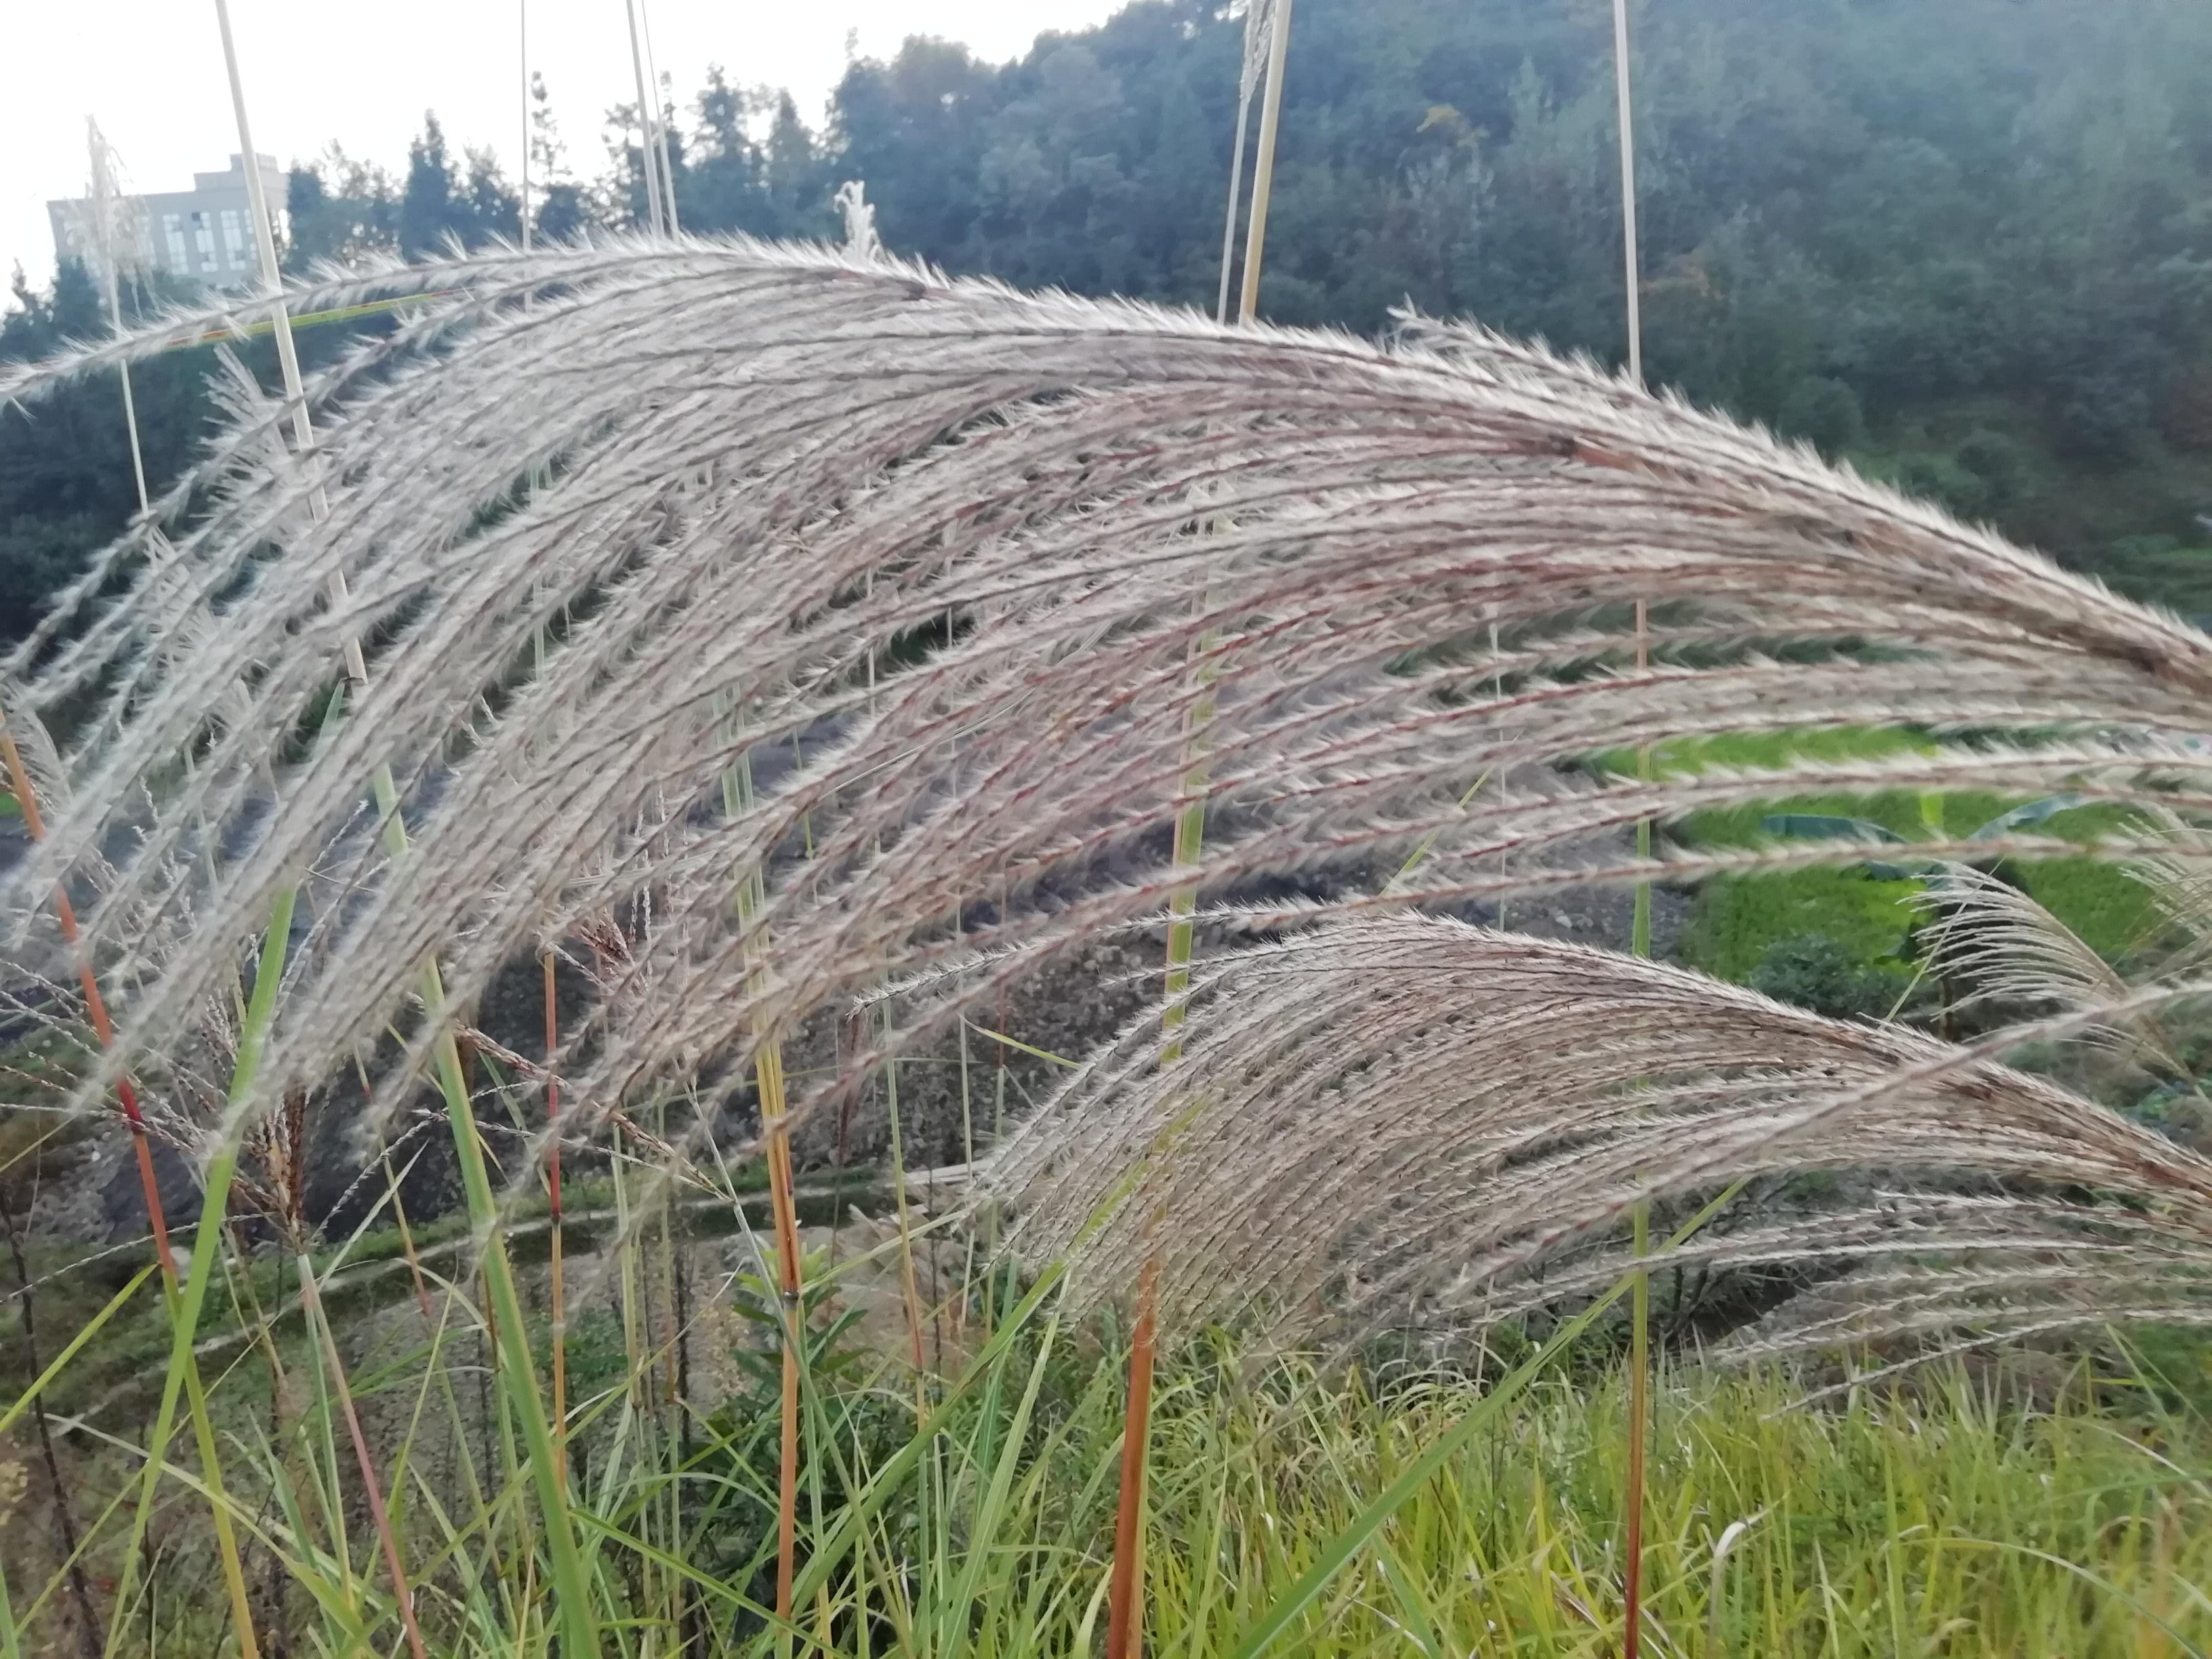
{"x": 204, "y": 235}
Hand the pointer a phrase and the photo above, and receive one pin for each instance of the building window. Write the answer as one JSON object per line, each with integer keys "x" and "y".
{"x": 172, "y": 230}
{"x": 203, "y": 237}
{"x": 234, "y": 235}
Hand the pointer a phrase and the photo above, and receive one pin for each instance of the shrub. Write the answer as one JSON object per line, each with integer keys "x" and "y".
{"x": 1941, "y": 479}
{"x": 1739, "y": 920}
{"x": 1814, "y": 971}
{"x": 2001, "y": 462}
{"x": 1825, "y": 412}
{"x": 2104, "y": 417}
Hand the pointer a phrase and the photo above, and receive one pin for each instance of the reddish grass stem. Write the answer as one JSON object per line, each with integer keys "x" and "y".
{"x": 1125, "y": 1636}
{"x": 310, "y": 1304}
{"x": 1639, "y": 1412}
{"x": 126, "y": 1092}
{"x": 1639, "y": 1357}
{"x": 553, "y": 1201}
{"x": 769, "y": 1077}
{"x": 26, "y": 801}
{"x": 1125, "y": 1617}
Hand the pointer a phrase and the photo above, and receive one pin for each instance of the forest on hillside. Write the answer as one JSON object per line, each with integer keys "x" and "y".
{"x": 1966, "y": 243}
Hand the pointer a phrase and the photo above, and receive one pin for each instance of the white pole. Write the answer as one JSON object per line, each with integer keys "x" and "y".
{"x": 645, "y": 126}
{"x": 1229, "y": 222}
{"x": 1263, "y": 171}
{"x": 1247, "y": 81}
{"x": 272, "y": 284}
{"x": 522, "y": 48}
{"x": 103, "y": 227}
{"x": 659, "y": 128}
{"x": 1627, "y": 188}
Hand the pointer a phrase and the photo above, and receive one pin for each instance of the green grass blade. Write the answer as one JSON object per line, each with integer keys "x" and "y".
{"x": 990, "y": 1511}
{"x": 895, "y": 1469}
{"x": 518, "y": 1368}
{"x": 183, "y": 1367}
{"x": 10, "y": 1648}
{"x": 1341, "y": 1550}
{"x": 76, "y": 1343}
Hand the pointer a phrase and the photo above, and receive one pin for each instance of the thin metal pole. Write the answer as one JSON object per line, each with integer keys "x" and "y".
{"x": 645, "y": 125}
{"x": 1263, "y": 174}
{"x": 103, "y": 208}
{"x": 1628, "y": 189}
{"x": 522, "y": 51}
{"x": 1248, "y": 80}
{"x": 1639, "y": 1362}
{"x": 287, "y": 353}
{"x": 659, "y": 128}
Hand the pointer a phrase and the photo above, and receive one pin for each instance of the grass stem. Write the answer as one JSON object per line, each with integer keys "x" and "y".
{"x": 233, "y": 1573}
{"x": 1125, "y": 1636}
{"x": 560, "y": 1304}
{"x": 769, "y": 1086}
{"x": 126, "y": 1092}
{"x": 311, "y": 1307}
{"x": 1639, "y": 1408}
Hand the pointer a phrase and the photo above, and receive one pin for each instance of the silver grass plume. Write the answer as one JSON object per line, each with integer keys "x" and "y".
{"x": 720, "y": 480}
{"x": 858, "y": 216}
{"x": 2004, "y": 947}
{"x": 1412, "y": 1117}
{"x": 110, "y": 222}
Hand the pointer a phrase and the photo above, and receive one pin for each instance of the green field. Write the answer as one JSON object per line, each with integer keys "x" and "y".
{"x": 1738, "y": 918}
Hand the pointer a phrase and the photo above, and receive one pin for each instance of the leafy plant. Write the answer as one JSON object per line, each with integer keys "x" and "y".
{"x": 1814, "y": 971}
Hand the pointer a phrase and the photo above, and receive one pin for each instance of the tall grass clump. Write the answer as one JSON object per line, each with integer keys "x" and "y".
{"x": 594, "y": 526}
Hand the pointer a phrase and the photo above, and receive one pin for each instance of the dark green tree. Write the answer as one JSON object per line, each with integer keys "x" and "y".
{"x": 563, "y": 210}
{"x": 429, "y": 210}
{"x": 440, "y": 206}
{"x": 340, "y": 210}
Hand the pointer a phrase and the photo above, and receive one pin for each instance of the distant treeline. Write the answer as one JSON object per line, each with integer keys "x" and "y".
{"x": 1967, "y": 242}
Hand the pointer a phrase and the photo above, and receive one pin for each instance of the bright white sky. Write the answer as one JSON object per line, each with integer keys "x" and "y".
{"x": 151, "y": 71}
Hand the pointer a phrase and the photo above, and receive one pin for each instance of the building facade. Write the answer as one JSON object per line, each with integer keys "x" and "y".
{"x": 204, "y": 235}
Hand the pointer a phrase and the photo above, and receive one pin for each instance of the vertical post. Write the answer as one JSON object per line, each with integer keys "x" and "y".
{"x": 1125, "y": 1635}
{"x": 659, "y": 129}
{"x": 103, "y": 227}
{"x": 1639, "y": 1359}
{"x": 644, "y": 126}
{"x": 1263, "y": 174}
{"x": 522, "y": 51}
{"x": 1247, "y": 81}
{"x": 1627, "y": 188}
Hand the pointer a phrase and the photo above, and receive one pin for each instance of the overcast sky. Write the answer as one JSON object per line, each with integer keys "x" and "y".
{"x": 151, "y": 71}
